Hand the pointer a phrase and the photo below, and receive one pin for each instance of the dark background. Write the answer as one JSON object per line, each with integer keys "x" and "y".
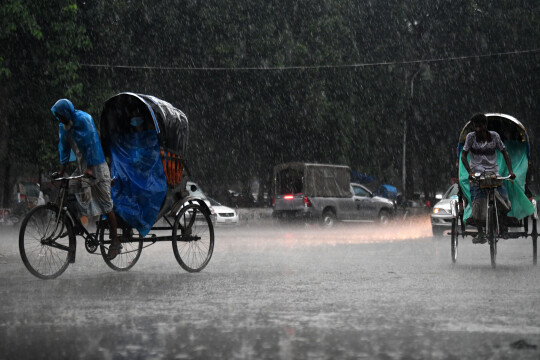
{"x": 266, "y": 82}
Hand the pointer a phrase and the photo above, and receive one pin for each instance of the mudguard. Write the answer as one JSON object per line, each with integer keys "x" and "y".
{"x": 186, "y": 201}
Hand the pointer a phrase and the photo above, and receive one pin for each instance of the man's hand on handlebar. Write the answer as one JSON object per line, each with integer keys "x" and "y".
{"x": 477, "y": 176}
{"x": 57, "y": 174}
{"x": 88, "y": 173}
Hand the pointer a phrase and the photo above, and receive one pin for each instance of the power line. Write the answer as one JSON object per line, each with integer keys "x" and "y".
{"x": 313, "y": 67}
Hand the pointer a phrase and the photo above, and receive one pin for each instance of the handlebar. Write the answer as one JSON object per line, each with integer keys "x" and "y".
{"x": 479, "y": 176}
{"x": 78, "y": 177}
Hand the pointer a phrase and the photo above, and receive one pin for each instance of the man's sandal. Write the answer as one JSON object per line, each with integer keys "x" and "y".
{"x": 114, "y": 251}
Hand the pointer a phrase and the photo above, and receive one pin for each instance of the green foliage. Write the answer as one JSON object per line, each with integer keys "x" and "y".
{"x": 40, "y": 47}
{"x": 243, "y": 122}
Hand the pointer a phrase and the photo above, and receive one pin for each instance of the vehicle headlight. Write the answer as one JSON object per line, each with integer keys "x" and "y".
{"x": 440, "y": 211}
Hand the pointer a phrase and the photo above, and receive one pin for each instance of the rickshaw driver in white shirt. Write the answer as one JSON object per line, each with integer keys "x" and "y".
{"x": 482, "y": 145}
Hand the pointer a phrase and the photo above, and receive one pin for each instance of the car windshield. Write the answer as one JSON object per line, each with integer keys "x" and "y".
{"x": 213, "y": 202}
{"x": 453, "y": 191}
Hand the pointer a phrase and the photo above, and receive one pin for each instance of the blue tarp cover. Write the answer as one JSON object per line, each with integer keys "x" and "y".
{"x": 361, "y": 178}
{"x": 140, "y": 186}
{"x": 387, "y": 191}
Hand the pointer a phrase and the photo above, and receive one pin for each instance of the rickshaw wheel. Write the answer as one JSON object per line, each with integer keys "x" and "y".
{"x": 193, "y": 238}
{"x": 45, "y": 245}
{"x": 130, "y": 253}
{"x": 535, "y": 248}
{"x": 534, "y": 236}
{"x": 454, "y": 239}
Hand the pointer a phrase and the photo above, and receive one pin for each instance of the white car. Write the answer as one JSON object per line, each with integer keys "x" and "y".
{"x": 224, "y": 215}
{"x": 196, "y": 191}
{"x": 441, "y": 214}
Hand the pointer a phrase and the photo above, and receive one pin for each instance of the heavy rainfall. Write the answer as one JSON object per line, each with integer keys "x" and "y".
{"x": 289, "y": 180}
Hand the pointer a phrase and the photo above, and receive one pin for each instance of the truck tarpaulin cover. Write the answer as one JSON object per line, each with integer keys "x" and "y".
{"x": 133, "y": 128}
{"x": 321, "y": 180}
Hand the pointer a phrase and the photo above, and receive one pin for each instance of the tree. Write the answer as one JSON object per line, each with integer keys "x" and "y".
{"x": 39, "y": 51}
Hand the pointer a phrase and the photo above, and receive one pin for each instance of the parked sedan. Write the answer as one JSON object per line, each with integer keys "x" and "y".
{"x": 441, "y": 215}
{"x": 224, "y": 215}
{"x": 195, "y": 190}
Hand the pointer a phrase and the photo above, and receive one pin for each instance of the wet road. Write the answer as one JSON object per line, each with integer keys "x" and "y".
{"x": 354, "y": 292}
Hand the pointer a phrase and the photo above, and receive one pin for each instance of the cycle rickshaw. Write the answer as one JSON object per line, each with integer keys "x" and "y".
{"x": 521, "y": 220}
{"x": 145, "y": 141}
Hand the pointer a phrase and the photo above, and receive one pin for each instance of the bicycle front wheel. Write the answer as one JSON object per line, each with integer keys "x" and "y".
{"x": 534, "y": 235}
{"x": 193, "y": 238}
{"x": 45, "y": 242}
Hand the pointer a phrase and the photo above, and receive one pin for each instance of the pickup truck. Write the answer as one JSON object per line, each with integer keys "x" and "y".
{"x": 324, "y": 193}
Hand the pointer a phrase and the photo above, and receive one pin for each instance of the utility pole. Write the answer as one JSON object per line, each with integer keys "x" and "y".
{"x": 411, "y": 113}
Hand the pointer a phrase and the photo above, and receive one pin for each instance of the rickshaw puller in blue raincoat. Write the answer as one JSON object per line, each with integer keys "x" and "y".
{"x": 79, "y": 126}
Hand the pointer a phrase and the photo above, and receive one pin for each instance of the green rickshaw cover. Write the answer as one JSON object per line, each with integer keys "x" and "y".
{"x": 521, "y": 205}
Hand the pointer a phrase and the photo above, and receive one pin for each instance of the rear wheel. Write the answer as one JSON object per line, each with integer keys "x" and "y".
{"x": 534, "y": 236}
{"x": 328, "y": 219}
{"x": 193, "y": 238}
{"x": 130, "y": 253}
{"x": 535, "y": 249}
{"x": 454, "y": 239}
{"x": 45, "y": 242}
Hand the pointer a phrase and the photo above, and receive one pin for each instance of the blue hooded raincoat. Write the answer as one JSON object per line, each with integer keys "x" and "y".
{"x": 83, "y": 131}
